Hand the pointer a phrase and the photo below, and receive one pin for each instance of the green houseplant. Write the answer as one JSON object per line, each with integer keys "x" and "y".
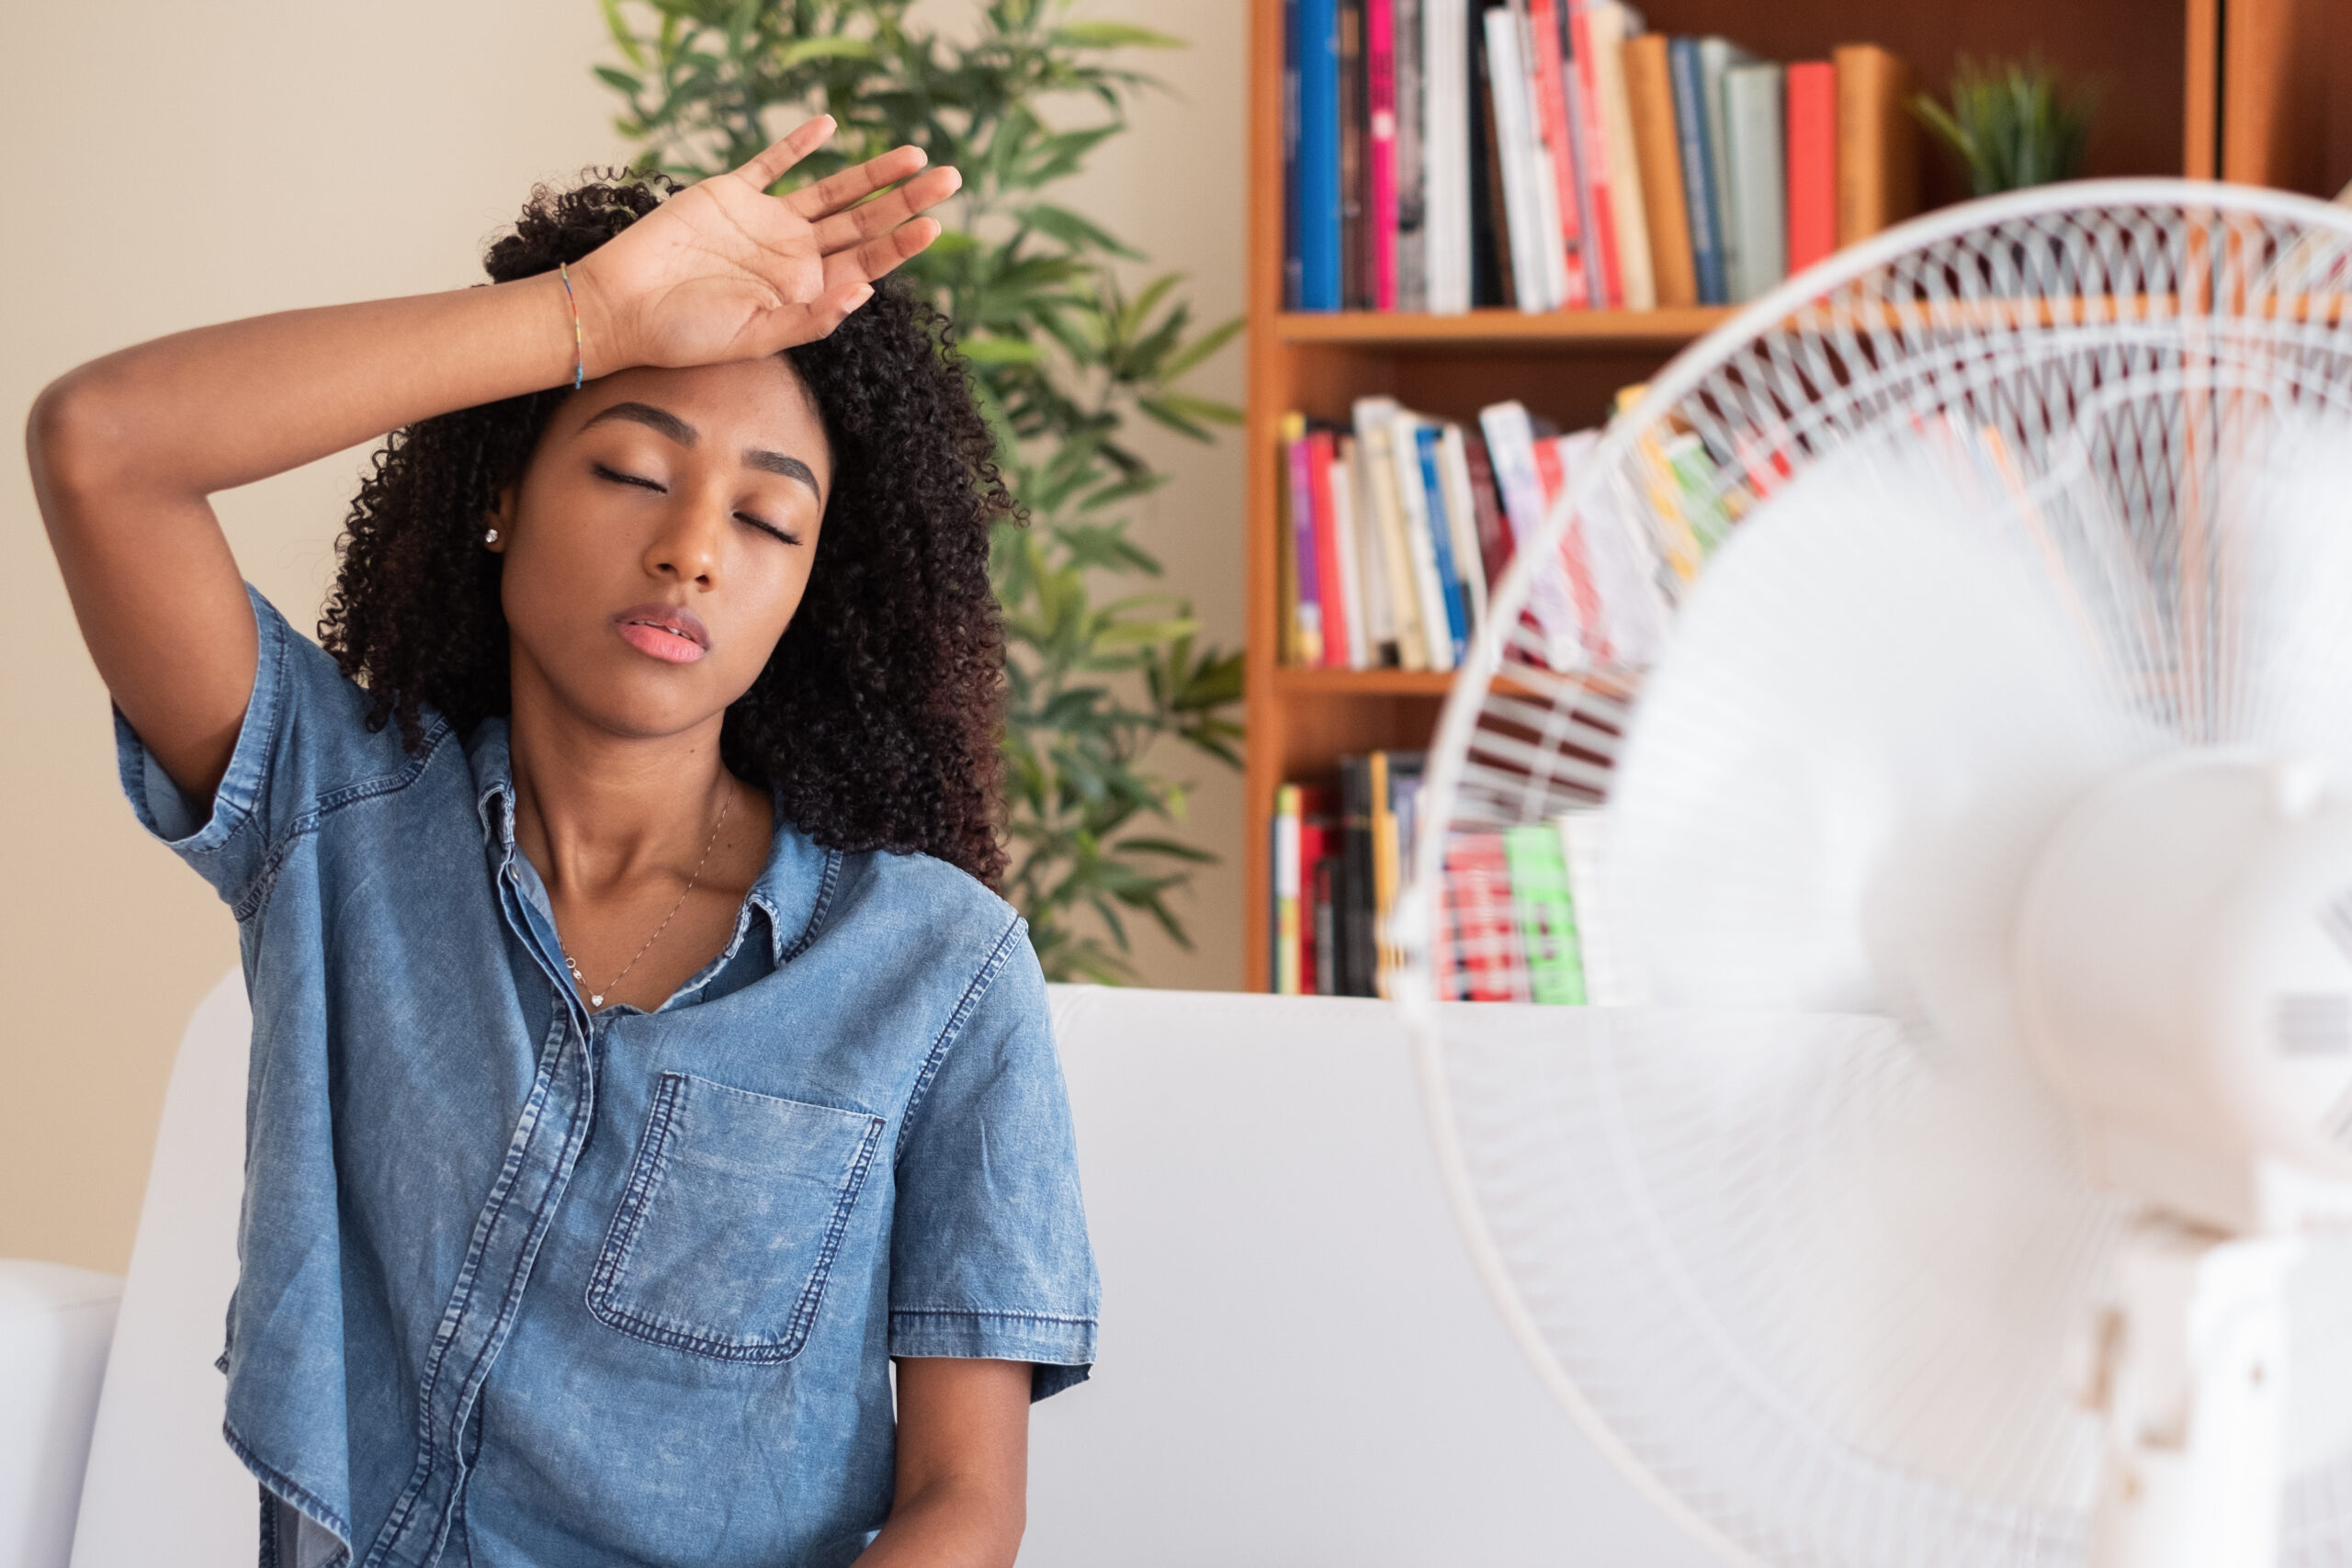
{"x": 2011, "y": 125}
{"x": 1064, "y": 351}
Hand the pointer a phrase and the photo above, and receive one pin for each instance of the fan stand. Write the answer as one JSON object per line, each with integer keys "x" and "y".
{"x": 2188, "y": 1366}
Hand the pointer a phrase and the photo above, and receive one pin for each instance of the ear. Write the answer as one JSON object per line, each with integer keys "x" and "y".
{"x": 500, "y": 520}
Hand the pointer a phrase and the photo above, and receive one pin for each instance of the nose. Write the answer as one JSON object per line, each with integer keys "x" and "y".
{"x": 688, "y": 546}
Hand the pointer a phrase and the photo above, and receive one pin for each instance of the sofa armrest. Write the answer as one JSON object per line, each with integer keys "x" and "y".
{"x": 56, "y": 1325}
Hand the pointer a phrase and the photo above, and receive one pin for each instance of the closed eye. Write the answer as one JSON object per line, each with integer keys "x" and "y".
{"x": 616, "y": 477}
{"x": 769, "y": 528}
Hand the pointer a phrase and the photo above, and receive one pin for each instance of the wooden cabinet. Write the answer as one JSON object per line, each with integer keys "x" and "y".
{"x": 2257, "y": 90}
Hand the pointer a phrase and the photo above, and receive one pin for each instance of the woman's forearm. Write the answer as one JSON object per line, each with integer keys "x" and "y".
{"x": 201, "y": 412}
{"x": 950, "y": 1524}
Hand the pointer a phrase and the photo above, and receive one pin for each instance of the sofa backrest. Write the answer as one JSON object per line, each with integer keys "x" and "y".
{"x": 1298, "y": 1368}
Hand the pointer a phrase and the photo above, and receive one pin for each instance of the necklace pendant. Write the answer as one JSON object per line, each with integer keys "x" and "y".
{"x": 595, "y": 1001}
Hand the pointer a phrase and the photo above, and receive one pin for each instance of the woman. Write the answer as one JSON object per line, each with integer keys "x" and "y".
{"x": 641, "y": 1064}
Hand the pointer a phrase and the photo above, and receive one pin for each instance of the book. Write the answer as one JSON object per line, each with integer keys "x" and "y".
{"x": 1291, "y": 277}
{"x": 1755, "y": 194}
{"x": 1372, "y": 558}
{"x": 1461, "y": 515}
{"x": 1695, "y": 145}
{"x": 1428, "y": 439}
{"x": 1380, "y": 153}
{"x": 1544, "y": 41}
{"x": 1539, "y": 899}
{"x": 1595, "y": 165}
{"x": 1393, "y": 786}
{"x": 1507, "y": 82}
{"x": 1716, "y": 56}
{"x": 1390, "y": 530}
{"x": 1412, "y": 168}
{"x": 1318, "y": 841}
{"x": 1494, "y": 529}
{"x": 1445, "y": 150}
{"x": 1286, "y": 891}
{"x": 1574, "y": 568}
{"x": 1624, "y": 565}
{"x": 1323, "y": 543}
{"x": 1510, "y": 444}
{"x": 1811, "y": 158}
{"x": 1303, "y": 594}
{"x": 1353, "y": 177}
{"x": 1649, "y": 96}
{"x": 1878, "y": 142}
{"x": 1481, "y": 938}
{"x": 1611, "y": 25}
{"x": 1358, "y": 959}
{"x": 1355, "y": 649}
{"x": 1325, "y": 883}
{"x": 1419, "y": 565}
{"x": 1490, "y": 279}
{"x": 1315, "y": 192}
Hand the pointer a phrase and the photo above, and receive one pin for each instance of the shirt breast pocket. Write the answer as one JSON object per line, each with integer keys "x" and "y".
{"x": 734, "y": 1209}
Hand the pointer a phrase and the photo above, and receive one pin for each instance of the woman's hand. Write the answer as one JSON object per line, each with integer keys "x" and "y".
{"x": 725, "y": 271}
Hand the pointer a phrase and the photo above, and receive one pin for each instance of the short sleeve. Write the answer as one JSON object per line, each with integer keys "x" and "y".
{"x": 303, "y": 724}
{"x": 989, "y": 1252}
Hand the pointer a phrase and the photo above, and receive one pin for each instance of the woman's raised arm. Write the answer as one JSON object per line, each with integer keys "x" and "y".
{"x": 127, "y": 450}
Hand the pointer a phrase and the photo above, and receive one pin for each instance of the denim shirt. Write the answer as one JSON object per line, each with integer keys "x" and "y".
{"x": 520, "y": 1284}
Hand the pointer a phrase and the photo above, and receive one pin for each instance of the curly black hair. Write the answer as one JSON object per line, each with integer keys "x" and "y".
{"x": 875, "y": 721}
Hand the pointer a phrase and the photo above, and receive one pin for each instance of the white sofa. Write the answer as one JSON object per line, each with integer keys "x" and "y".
{"x": 1298, "y": 1367}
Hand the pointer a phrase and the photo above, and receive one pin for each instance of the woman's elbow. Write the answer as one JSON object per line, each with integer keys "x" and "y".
{"x": 76, "y": 443}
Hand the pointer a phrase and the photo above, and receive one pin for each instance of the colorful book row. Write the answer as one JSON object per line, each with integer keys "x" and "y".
{"x": 1551, "y": 154}
{"x": 1395, "y": 529}
{"x": 1525, "y": 916}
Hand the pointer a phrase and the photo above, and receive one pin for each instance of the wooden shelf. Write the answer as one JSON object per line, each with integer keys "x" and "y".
{"x": 1403, "y": 329}
{"x": 2254, "y": 90}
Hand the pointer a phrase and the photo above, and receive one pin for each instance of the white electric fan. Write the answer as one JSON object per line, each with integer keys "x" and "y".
{"x": 1967, "y": 1181}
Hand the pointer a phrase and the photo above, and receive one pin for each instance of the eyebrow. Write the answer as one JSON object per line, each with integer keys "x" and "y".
{"x": 685, "y": 434}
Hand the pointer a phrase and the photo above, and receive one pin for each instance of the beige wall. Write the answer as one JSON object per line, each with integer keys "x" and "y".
{"x": 198, "y": 160}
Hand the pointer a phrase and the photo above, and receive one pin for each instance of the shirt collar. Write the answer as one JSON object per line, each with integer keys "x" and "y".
{"x": 793, "y": 890}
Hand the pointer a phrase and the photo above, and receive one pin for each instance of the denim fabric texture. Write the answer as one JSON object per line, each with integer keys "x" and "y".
{"x": 522, "y": 1285}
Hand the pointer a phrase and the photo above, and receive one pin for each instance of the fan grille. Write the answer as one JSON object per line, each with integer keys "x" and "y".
{"x": 2108, "y": 363}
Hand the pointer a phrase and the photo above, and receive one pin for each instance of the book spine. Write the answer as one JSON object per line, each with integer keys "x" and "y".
{"x": 1460, "y": 516}
{"x": 1286, "y": 548}
{"x": 1609, "y": 26}
{"x": 1421, "y": 557}
{"x": 1510, "y": 444}
{"x": 1427, "y": 438}
{"x": 1596, "y": 199}
{"x": 1610, "y": 976}
{"x": 1402, "y": 588}
{"x": 1649, "y": 91}
{"x": 1878, "y": 147}
{"x": 1758, "y": 200}
{"x": 1380, "y": 146}
{"x": 1352, "y": 178}
{"x": 1327, "y": 926}
{"x": 1316, "y": 833}
{"x": 1291, "y": 194}
{"x": 1319, "y": 155}
{"x": 1307, "y": 597}
{"x": 1575, "y": 566}
{"x": 1384, "y": 864}
{"x": 1491, "y": 281}
{"x": 1358, "y": 959}
{"x": 1626, "y": 565}
{"x": 1697, "y": 148}
{"x": 1507, "y": 82}
{"x": 1330, "y": 599}
{"x": 1717, "y": 56}
{"x": 1286, "y": 885}
{"x": 1355, "y": 650}
{"x": 1539, "y": 887}
{"x": 1371, "y": 551}
{"x": 1812, "y": 162}
{"x": 1550, "y": 83}
{"x": 1446, "y": 153}
{"x": 1412, "y": 159}
{"x": 1494, "y": 529}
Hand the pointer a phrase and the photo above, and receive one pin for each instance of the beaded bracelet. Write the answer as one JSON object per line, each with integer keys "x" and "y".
{"x": 579, "y": 344}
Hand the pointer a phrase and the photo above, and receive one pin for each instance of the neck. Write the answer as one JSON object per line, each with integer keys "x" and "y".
{"x": 594, "y": 811}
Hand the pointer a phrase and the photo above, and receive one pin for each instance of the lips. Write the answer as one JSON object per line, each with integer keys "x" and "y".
{"x": 667, "y": 632}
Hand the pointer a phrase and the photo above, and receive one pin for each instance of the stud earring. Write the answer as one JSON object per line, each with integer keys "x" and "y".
{"x": 490, "y": 537}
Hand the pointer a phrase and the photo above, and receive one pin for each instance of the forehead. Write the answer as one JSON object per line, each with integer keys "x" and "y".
{"x": 749, "y": 405}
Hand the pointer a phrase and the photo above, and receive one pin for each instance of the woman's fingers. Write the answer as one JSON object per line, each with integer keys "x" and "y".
{"x": 885, "y": 213}
{"x": 834, "y": 192}
{"x": 792, "y": 325}
{"x": 770, "y": 166}
{"x": 862, "y": 263}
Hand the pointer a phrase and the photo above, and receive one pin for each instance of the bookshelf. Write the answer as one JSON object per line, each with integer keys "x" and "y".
{"x": 2251, "y": 90}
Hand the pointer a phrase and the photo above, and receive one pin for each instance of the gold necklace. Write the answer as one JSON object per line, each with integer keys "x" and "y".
{"x": 597, "y": 999}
